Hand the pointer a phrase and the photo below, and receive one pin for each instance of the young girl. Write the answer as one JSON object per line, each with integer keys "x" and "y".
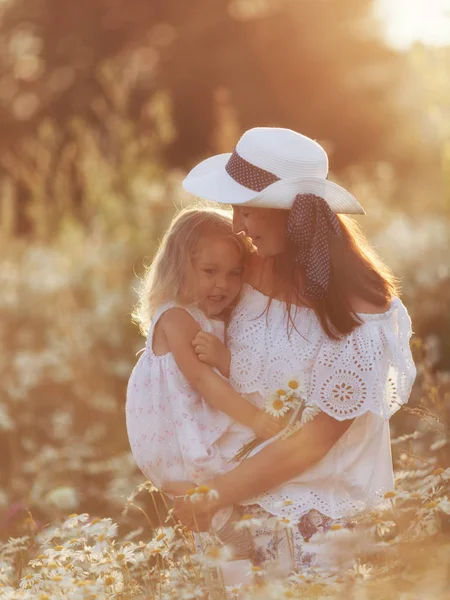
{"x": 178, "y": 406}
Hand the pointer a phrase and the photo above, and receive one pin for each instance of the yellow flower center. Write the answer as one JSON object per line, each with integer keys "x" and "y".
{"x": 280, "y": 392}
{"x": 203, "y": 489}
{"x": 160, "y": 537}
{"x": 335, "y": 527}
{"x": 246, "y": 517}
{"x": 293, "y": 384}
{"x": 278, "y": 404}
{"x": 390, "y": 494}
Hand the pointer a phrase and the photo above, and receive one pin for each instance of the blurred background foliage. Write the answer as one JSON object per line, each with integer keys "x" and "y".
{"x": 103, "y": 107}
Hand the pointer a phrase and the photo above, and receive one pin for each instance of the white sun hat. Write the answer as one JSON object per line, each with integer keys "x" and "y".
{"x": 268, "y": 168}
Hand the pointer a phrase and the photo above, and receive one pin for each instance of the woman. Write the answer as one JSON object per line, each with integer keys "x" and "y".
{"x": 318, "y": 302}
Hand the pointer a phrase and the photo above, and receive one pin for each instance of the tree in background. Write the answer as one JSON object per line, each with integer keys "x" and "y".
{"x": 318, "y": 66}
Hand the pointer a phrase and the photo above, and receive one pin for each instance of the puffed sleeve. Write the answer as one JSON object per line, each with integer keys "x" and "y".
{"x": 371, "y": 369}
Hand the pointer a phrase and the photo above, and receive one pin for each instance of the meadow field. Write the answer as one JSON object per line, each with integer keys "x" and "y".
{"x": 84, "y": 200}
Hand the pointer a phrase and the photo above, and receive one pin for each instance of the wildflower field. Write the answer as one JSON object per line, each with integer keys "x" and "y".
{"x": 84, "y": 198}
{"x": 77, "y": 520}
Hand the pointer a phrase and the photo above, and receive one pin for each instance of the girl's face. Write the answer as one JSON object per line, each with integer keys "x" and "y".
{"x": 265, "y": 226}
{"x": 217, "y": 275}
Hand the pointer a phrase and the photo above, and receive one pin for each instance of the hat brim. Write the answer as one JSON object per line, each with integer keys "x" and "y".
{"x": 210, "y": 181}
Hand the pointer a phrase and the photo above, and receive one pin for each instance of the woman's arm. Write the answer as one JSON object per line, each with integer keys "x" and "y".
{"x": 275, "y": 464}
{"x": 180, "y": 329}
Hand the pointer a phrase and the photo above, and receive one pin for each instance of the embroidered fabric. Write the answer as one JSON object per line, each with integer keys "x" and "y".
{"x": 366, "y": 376}
{"x": 172, "y": 431}
{"x": 370, "y": 369}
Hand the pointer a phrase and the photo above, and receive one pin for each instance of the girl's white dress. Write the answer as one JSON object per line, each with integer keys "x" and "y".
{"x": 173, "y": 432}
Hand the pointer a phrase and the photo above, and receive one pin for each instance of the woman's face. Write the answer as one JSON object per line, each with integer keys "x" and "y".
{"x": 265, "y": 226}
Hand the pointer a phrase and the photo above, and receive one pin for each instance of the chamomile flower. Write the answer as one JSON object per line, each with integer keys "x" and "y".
{"x": 308, "y": 414}
{"x": 164, "y": 533}
{"x": 276, "y": 406}
{"x": 444, "y": 505}
{"x": 201, "y": 493}
{"x": 102, "y": 567}
{"x": 247, "y": 522}
{"x": 75, "y": 520}
{"x": 214, "y": 556}
{"x": 285, "y": 523}
{"x": 104, "y": 527}
{"x": 296, "y": 385}
{"x": 233, "y": 591}
{"x": 256, "y": 572}
{"x": 125, "y": 556}
{"x": 163, "y": 544}
{"x": 361, "y": 571}
{"x": 87, "y": 554}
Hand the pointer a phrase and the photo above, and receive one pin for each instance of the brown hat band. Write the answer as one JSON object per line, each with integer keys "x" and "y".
{"x": 248, "y": 175}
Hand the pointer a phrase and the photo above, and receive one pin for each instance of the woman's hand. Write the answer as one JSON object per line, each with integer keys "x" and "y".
{"x": 196, "y": 516}
{"x": 279, "y": 461}
{"x": 211, "y": 351}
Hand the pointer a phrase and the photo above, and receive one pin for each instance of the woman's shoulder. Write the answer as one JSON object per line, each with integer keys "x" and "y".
{"x": 362, "y": 306}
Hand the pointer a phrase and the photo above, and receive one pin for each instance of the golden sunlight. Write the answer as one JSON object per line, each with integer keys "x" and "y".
{"x": 409, "y": 21}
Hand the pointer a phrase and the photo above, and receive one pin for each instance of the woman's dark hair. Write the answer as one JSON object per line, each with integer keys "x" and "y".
{"x": 356, "y": 273}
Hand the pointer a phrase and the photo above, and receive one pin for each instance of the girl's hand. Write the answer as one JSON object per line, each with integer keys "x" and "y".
{"x": 266, "y": 426}
{"x": 212, "y": 351}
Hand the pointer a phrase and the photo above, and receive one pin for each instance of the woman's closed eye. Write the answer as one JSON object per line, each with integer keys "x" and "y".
{"x": 209, "y": 271}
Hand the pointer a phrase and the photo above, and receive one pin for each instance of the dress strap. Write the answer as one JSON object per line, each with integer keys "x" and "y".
{"x": 195, "y": 312}
{"x": 158, "y": 314}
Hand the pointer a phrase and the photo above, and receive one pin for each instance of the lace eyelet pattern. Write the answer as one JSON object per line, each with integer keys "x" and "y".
{"x": 371, "y": 369}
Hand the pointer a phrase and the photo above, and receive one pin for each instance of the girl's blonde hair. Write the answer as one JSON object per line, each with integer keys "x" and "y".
{"x": 166, "y": 278}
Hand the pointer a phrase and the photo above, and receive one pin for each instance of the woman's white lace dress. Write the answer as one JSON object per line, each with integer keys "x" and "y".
{"x": 366, "y": 376}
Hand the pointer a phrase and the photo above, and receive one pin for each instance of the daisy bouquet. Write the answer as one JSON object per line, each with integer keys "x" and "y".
{"x": 289, "y": 403}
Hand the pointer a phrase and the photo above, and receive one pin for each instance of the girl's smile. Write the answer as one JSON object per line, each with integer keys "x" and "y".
{"x": 217, "y": 275}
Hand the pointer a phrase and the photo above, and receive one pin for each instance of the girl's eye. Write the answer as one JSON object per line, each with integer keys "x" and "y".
{"x": 236, "y": 273}
{"x": 209, "y": 271}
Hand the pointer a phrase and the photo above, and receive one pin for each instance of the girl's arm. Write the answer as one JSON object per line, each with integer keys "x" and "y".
{"x": 180, "y": 329}
{"x": 275, "y": 464}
